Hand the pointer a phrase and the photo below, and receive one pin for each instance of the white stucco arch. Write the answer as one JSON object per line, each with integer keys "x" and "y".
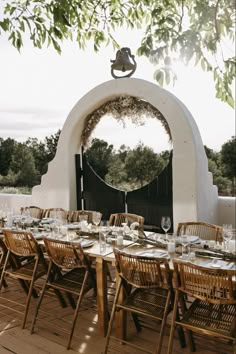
{"x": 194, "y": 195}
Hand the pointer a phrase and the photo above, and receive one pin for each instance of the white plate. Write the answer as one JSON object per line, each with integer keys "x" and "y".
{"x": 193, "y": 239}
{"x": 72, "y": 226}
{"x": 214, "y": 265}
{"x": 153, "y": 253}
{"x": 86, "y": 243}
{"x": 47, "y": 220}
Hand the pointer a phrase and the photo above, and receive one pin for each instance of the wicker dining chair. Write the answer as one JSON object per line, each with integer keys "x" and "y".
{"x": 69, "y": 271}
{"x": 202, "y": 229}
{"x": 74, "y": 216}
{"x": 54, "y": 213}
{"x": 26, "y": 260}
{"x": 118, "y": 218}
{"x": 34, "y": 211}
{"x": 148, "y": 292}
{"x": 213, "y": 309}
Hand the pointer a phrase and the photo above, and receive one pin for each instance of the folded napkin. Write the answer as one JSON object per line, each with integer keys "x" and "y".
{"x": 152, "y": 253}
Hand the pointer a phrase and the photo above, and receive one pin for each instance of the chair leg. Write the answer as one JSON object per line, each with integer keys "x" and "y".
{"x": 2, "y": 280}
{"x": 77, "y": 310}
{"x": 163, "y": 323}
{"x": 172, "y": 328}
{"x": 27, "y": 303}
{"x": 136, "y": 322}
{"x": 37, "y": 307}
{"x": 188, "y": 332}
{"x": 112, "y": 317}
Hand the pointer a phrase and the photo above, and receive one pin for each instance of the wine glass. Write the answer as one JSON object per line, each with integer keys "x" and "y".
{"x": 227, "y": 234}
{"x": 96, "y": 218}
{"x": 165, "y": 225}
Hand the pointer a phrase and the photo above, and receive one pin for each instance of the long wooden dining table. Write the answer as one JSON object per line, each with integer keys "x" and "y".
{"x": 103, "y": 257}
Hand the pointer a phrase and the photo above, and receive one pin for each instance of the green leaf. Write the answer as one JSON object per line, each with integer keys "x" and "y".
{"x": 230, "y": 101}
{"x": 159, "y": 77}
{"x": 5, "y": 24}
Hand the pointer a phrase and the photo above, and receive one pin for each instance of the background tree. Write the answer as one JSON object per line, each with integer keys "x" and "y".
{"x": 142, "y": 165}
{"x": 99, "y": 155}
{"x": 193, "y": 30}
{"x": 228, "y": 154}
{"x": 23, "y": 165}
{"x": 51, "y": 145}
{"x": 6, "y": 151}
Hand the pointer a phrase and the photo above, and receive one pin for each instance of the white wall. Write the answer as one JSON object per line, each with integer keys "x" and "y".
{"x": 14, "y": 201}
{"x": 194, "y": 196}
{"x": 227, "y": 211}
{"x": 226, "y": 206}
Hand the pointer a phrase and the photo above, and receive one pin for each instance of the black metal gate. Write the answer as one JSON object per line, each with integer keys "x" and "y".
{"x": 151, "y": 201}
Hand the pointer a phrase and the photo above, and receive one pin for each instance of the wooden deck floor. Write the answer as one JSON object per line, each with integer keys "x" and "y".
{"x": 50, "y": 336}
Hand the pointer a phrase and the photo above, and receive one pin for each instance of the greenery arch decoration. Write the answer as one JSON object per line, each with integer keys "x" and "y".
{"x": 122, "y": 107}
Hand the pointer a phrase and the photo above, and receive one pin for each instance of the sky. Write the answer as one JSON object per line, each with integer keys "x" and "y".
{"x": 39, "y": 88}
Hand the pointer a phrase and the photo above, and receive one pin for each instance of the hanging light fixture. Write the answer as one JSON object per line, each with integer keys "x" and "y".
{"x": 123, "y": 63}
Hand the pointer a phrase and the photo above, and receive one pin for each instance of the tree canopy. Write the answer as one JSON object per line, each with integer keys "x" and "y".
{"x": 195, "y": 31}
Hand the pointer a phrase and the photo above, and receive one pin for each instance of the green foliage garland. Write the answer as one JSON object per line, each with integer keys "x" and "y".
{"x": 120, "y": 108}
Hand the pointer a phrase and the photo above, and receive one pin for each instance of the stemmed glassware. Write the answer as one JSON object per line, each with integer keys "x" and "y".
{"x": 96, "y": 218}
{"x": 165, "y": 225}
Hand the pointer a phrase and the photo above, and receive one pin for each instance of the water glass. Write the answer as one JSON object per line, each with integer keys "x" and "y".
{"x": 227, "y": 234}
{"x": 185, "y": 246}
{"x": 102, "y": 242}
{"x": 83, "y": 217}
{"x": 119, "y": 238}
{"x": 171, "y": 243}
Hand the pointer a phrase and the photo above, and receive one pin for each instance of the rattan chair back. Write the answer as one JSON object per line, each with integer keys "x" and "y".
{"x": 77, "y": 215}
{"x": 143, "y": 272}
{"x": 57, "y": 213}
{"x": 66, "y": 255}
{"x": 34, "y": 211}
{"x": 21, "y": 243}
{"x": 119, "y": 218}
{"x": 207, "y": 284}
{"x": 202, "y": 229}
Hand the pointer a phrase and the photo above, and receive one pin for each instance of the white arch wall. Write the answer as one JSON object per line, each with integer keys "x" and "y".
{"x": 194, "y": 196}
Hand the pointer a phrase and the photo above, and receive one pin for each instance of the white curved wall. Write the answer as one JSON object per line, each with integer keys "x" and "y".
{"x": 194, "y": 196}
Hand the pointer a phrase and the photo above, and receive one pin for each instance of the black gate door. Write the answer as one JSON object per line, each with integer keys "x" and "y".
{"x": 151, "y": 201}
{"x": 154, "y": 200}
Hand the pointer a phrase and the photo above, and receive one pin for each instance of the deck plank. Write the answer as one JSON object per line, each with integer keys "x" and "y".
{"x": 49, "y": 336}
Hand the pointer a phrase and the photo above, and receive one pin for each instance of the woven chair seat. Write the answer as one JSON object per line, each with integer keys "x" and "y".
{"x": 25, "y": 271}
{"x": 149, "y": 302}
{"x": 72, "y": 281}
{"x": 217, "y": 318}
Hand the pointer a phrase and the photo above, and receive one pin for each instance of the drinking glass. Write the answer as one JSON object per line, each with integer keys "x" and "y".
{"x": 83, "y": 217}
{"x": 227, "y": 234}
{"x": 165, "y": 224}
{"x": 102, "y": 241}
{"x": 96, "y": 218}
{"x": 184, "y": 240}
